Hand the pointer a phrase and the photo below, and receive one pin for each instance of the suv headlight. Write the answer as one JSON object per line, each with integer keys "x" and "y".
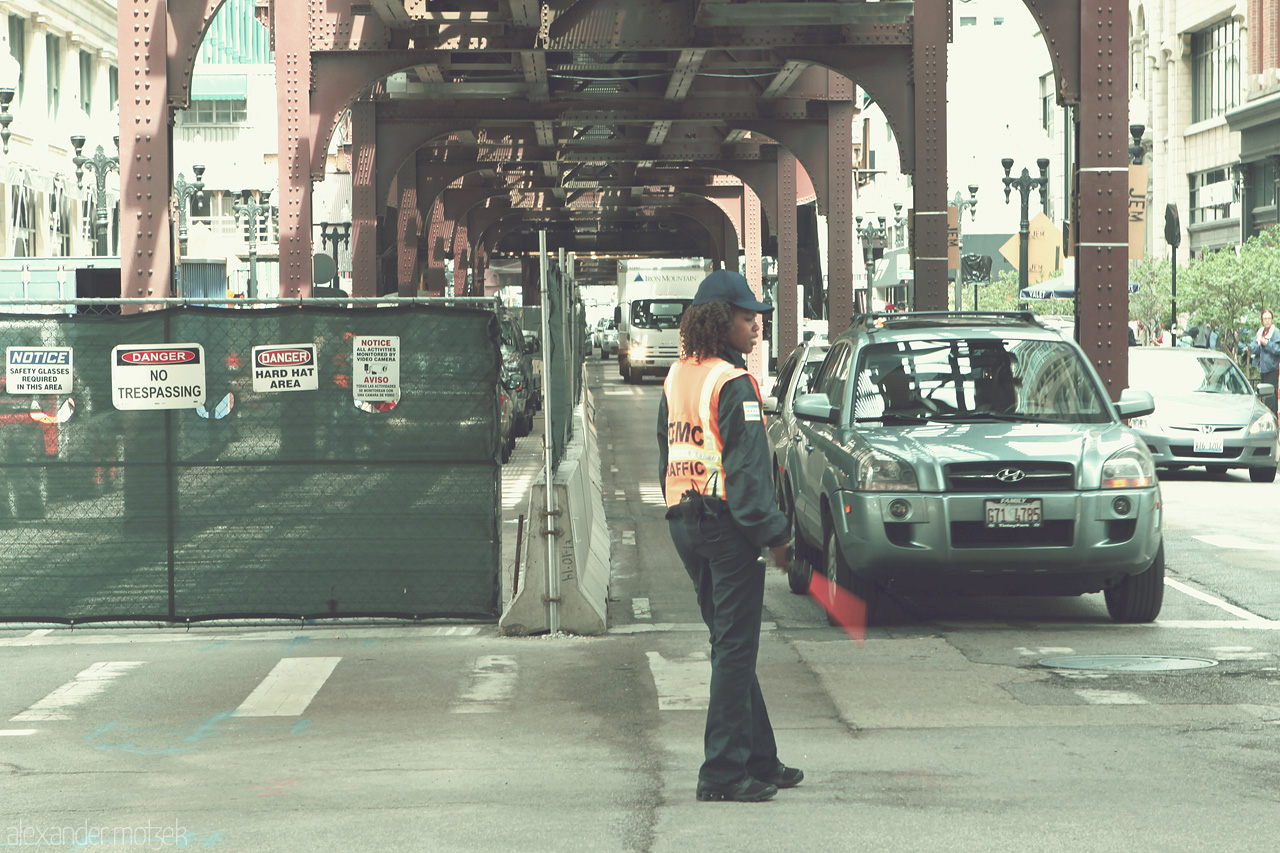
{"x": 1266, "y": 423}
{"x": 1130, "y": 468}
{"x": 880, "y": 472}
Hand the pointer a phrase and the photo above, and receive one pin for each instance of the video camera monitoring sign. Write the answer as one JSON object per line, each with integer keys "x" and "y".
{"x": 375, "y": 362}
{"x": 38, "y": 370}
{"x": 285, "y": 367}
{"x": 157, "y": 376}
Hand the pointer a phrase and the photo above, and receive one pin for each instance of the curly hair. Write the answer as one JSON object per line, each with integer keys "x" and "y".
{"x": 704, "y": 329}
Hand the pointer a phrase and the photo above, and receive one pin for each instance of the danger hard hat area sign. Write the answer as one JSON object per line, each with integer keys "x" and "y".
{"x": 38, "y": 370}
{"x": 157, "y": 376}
{"x": 285, "y": 367}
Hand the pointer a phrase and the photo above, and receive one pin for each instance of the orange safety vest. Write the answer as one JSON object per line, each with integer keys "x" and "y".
{"x": 694, "y": 446}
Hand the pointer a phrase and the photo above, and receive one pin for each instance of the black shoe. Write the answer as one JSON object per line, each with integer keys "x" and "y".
{"x": 745, "y": 790}
{"x": 782, "y": 776}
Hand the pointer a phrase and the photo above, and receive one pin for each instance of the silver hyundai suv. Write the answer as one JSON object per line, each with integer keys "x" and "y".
{"x": 951, "y": 453}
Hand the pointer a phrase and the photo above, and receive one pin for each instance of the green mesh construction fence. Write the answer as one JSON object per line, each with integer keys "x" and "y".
{"x": 296, "y": 500}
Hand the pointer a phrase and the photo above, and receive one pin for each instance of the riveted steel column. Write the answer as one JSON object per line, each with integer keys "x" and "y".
{"x": 1102, "y": 176}
{"x": 758, "y": 359}
{"x": 839, "y": 182}
{"x": 787, "y": 311}
{"x": 408, "y": 224}
{"x": 364, "y": 205}
{"x": 929, "y": 70}
{"x": 146, "y": 256}
{"x": 292, "y": 36}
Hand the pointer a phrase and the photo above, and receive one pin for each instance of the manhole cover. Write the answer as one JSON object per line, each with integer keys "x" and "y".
{"x": 1127, "y": 663}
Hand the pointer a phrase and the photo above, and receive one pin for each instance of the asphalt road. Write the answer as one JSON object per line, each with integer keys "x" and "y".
{"x": 943, "y": 732}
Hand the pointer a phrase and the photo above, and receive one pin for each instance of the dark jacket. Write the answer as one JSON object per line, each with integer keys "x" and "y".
{"x": 748, "y": 471}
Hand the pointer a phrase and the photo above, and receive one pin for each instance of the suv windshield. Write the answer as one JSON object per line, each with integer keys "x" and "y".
{"x": 657, "y": 313}
{"x": 976, "y": 379}
{"x": 1203, "y": 374}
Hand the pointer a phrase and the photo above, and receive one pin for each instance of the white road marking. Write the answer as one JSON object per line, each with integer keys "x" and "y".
{"x": 89, "y": 683}
{"x": 1044, "y": 650}
{"x": 112, "y": 636}
{"x": 1239, "y": 653}
{"x": 1110, "y": 697}
{"x": 640, "y": 608}
{"x": 628, "y": 537}
{"x": 493, "y": 683}
{"x": 651, "y": 493}
{"x": 683, "y": 685}
{"x": 288, "y": 689}
{"x": 1228, "y": 540}
{"x": 1216, "y": 602}
{"x": 17, "y": 732}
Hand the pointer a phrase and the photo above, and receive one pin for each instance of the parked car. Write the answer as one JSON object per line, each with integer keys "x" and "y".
{"x": 609, "y": 340}
{"x": 517, "y": 358}
{"x": 793, "y": 379}
{"x": 506, "y": 420}
{"x": 975, "y": 453}
{"x": 1206, "y": 413}
{"x": 601, "y": 324}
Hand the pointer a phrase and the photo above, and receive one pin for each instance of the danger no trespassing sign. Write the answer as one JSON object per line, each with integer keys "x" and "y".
{"x": 157, "y": 376}
{"x": 285, "y": 367}
{"x": 38, "y": 370}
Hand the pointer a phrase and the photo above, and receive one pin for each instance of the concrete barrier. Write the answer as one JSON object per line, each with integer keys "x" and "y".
{"x": 581, "y": 538}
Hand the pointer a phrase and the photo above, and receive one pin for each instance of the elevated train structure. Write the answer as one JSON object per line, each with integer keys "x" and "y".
{"x": 618, "y": 127}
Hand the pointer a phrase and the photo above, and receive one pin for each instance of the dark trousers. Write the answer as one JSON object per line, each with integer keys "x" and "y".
{"x": 729, "y": 580}
{"x": 1270, "y": 376}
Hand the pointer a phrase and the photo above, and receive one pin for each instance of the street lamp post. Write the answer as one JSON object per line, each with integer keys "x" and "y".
{"x": 1025, "y": 184}
{"x": 961, "y": 205}
{"x": 183, "y": 191}
{"x": 335, "y": 232}
{"x": 101, "y": 164}
{"x": 252, "y": 209}
{"x": 872, "y": 237}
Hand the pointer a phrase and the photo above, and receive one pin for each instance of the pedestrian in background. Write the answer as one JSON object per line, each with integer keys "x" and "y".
{"x": 717, "y": 477}
{"x": 1265, "y": 349}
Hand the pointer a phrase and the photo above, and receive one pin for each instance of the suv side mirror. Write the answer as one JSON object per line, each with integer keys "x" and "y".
{"x": 815, "y": 407}
{"x": 771, "y": 405}
{"x": 1266, "y": 390}
{"x": 1135, "y": 404}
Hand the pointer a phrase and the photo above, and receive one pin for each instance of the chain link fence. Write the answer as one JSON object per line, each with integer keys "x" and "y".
{"x": 292, "y": 501}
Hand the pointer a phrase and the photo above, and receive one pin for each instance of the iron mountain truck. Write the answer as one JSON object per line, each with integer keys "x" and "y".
{"x": 652, "y": 295}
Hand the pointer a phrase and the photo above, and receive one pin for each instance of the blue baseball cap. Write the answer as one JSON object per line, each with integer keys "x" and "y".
{"x": 731, "y": 287}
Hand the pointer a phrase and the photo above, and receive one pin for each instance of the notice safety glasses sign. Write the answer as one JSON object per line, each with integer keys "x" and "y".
{"x": 38, "y": 370}
{"x": 157, "y": 376}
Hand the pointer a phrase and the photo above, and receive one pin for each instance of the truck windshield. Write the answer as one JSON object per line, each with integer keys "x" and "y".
{"x": 657, "y": 313}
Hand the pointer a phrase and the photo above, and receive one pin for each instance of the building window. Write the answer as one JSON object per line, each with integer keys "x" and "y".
{"x": 18, "y": 48}
{"x": 113, "y": 86}
{"x": 1262, "y": 184}
{"x": 968, "y": 21}
{"x": 214, "y": 112}
{"x": 1048, "y": 103}
{"x": 53, "y": 63}
{"x": 86, "y": 82}
{"x": 22, "y": 201}
{"x": 1211, "y": 196}
{"x": 1215, "y": 70}
{"x": 59, "y": 223}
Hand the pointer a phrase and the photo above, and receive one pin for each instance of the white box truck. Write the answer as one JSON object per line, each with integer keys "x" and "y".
{"x": 652, "y": 295}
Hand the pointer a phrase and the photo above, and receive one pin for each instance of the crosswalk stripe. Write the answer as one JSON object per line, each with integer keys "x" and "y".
{"x": 288, "y": 689}
{"x": 1110, "y": 697}
{"x": 683, "y": 685}
{"x": 89, "y": 683}
{"x": 493, "y": 683}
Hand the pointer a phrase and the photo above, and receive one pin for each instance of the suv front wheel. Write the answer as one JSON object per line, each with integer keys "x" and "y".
{"x": 840, "y": 575}
{"x": 1138, "y": 598}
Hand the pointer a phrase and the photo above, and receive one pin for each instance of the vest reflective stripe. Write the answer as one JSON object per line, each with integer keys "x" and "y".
{"x": 694, "y": 446}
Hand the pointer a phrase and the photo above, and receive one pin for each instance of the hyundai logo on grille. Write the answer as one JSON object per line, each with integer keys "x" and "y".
{"x": 1010, "y": 475}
